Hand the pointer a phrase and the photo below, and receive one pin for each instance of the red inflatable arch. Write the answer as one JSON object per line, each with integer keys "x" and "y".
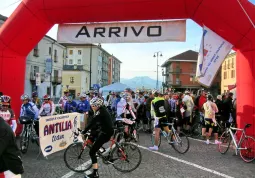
{"x": 34, "y": 18}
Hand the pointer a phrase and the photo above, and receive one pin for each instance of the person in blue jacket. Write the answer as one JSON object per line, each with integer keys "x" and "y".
{"x": 83, "y": 106}
{"x": 70, "y": 105}
{"x": 27, "y": 107}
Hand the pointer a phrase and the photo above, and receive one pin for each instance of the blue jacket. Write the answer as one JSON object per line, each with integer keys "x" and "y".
{"x": 70, "y": 107}
{"x": 83, "y": 106}
{"x": 27, "y": 110}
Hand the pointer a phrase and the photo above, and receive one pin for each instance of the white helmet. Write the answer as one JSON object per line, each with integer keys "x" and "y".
{"x": 83, "y": 95}
{"x": 24, "y": 97}
{"x": 96, "y": 102}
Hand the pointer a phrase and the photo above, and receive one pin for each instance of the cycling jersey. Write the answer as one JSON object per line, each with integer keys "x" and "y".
{"x": 9, "y": 117}
{"x": 70, "y": 107}
{"x": 47, "y": 109}
{"x": 28, "y": 110}
{"x": 83, "y": 106}
{"x": 158, "y": 107}
{"x": 63, "y": 101}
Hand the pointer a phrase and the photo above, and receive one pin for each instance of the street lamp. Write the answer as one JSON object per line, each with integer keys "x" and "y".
{"x": 156, "y": 54}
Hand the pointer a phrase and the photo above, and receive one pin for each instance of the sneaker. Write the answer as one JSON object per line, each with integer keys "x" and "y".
{"x": 154, "y": 148}
{"x": 91, "y": 176}
{"x": 217, "y": 142}
{"x": 207, "y": 142}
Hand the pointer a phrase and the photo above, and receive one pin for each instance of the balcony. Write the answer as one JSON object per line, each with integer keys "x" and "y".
{"x": 57, "y": 80}
{"x": 76, "y": 67}
{"x": 176, "y": 83}
{"x": 172, "y": 71}
{"x": 33, "y": 77}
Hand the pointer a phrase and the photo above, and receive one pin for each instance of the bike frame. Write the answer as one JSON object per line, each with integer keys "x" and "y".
{"x": 237, "y": 145}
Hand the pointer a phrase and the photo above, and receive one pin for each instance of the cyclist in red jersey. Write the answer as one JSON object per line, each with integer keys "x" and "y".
{"x": 7, "y": 113}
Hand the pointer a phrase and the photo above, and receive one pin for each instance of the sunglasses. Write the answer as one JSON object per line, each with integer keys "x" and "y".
{"x": 93, "y": 106}
{"x": 5, "y": 105}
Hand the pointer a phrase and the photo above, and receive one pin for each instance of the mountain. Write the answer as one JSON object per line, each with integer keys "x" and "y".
{"x": 140, "y": 82}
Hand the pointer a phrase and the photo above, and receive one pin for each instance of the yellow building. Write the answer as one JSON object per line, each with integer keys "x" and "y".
{"x": 228, "y": 72}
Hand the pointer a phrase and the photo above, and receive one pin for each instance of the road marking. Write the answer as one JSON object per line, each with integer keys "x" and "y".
{"x": 188, "y": 163}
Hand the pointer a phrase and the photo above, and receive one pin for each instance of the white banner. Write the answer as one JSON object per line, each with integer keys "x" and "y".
{"x": 123, "y": 32}
{"x": 37, "y": 79}
{"x": 212, "y": 53}
{"x": 56, "y": 132}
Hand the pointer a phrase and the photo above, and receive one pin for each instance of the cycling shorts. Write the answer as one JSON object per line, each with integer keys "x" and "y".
{"x": 209, "y": 123}
{"x": 160, "y": 123}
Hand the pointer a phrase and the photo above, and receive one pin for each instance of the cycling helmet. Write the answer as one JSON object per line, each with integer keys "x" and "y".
{"x": 83, "y": 95}
{"x": 66, "y": 91}
{"x": 5, "y": 100}
{"x": 24, "y": 97}
{"x": 96, "y": 102}
{"x": 46, "y": 97}
{"x": 34, "y": 94}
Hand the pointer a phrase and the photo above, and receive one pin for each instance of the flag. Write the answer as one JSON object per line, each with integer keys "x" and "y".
{"x": 213, "y": 50}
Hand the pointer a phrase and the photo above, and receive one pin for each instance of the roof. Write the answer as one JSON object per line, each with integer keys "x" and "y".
{"x": 3, "y": 17}
{"x": 187, "y": 55}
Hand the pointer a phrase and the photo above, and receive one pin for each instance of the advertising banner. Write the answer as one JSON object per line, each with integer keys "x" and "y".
{"x": 213, "y": 50}
{"x": 122, "y": 32}
{"x": 56, "y": 132}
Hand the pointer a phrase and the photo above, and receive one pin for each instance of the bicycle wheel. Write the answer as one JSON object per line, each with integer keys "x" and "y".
{"x": 180, "y": 142}
{"x": 225, "y": 140}
{"x": 24, "y": 140}
{"x": 153, "y": 139}
{"x": 196, "y": 130}
{"x": 127, "y": 157}
{"x": 248, "y": 154}
{"x": 76, "y": 159}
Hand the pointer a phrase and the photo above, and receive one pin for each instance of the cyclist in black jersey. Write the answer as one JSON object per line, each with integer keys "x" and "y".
{"x": 103, "y": 120}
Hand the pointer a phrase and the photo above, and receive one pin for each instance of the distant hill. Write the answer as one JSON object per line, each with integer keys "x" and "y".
{"x": 140, "y": 82}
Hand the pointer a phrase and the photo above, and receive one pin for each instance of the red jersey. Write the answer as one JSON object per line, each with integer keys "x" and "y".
{"x": 202, "y": 100}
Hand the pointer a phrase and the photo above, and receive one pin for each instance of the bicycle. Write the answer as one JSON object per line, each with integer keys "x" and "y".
{"x": 173, "y": 138}
{"x": 117, "y": 151}
{"x": 27, "y": 133}
{"x": 242, "y": 146}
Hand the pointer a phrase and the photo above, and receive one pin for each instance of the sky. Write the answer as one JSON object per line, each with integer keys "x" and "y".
{"x": 137, "y": 58}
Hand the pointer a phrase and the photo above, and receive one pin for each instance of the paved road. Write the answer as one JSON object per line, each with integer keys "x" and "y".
{"x": 200, "y": 161}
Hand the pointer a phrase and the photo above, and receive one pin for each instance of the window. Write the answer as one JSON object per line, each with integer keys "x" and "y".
{"x": 79, "y": 61}
{"x": 36, "y": 51}
{"x": 49, "y": 50}
{"x": 225, "y": 75}
{"x": 48, "y": 90}
{"x": 225, "y": 65}
{"x": 55, "y": 55}
{"x": 228, "y": 64}
{"x": 70, "y": 61}
{"x": 54, "y": 90}
{"x": 232, "y": 73}
{"x": 71, "y": 52}
{"x": 233, "y": 63}
{"x": 79, "y": 52}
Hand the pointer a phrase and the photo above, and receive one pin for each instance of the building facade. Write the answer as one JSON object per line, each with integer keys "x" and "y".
{"x": 80, "y": 58}
{"x": 228, "y": 72}
{"x": 180, "y": 71}
{"x": 51, "y": 74}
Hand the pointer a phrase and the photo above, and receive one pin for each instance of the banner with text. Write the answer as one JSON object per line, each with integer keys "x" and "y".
{"x": 123, "y": 32}
{"x": 56, "y": 132}
{"x": 213, "y": 50}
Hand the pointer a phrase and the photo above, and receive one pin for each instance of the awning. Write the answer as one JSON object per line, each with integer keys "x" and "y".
{"x": 231, "y": 87}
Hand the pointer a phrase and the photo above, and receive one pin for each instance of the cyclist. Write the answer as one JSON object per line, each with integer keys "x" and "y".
{"x": 10, "y": 158}
{"x": 7, "y": 113}
{"x": 158, "y": 112}
{"x": 70, "y": 105}
{"x": 36, "y": 100}
{"x": 103, "y": 120}
{"x": 47, "y": 108}
{"x": 83, "y": 106}
{"x": 64, "y": 98}
{"x": 27, "y": 109}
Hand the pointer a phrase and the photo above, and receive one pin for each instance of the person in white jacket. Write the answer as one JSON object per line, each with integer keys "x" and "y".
{"x": 47, "y": 108}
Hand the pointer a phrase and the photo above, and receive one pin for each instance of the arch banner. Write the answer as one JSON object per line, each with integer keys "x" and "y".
{"x": 123, "y": 32}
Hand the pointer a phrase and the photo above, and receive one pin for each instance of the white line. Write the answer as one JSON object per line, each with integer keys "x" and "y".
{"x": 188, "y": 163}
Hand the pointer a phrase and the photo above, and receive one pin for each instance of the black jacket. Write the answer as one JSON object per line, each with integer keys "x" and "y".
{"x": 101, "y": 119}
{"x": 10, "y": 158}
